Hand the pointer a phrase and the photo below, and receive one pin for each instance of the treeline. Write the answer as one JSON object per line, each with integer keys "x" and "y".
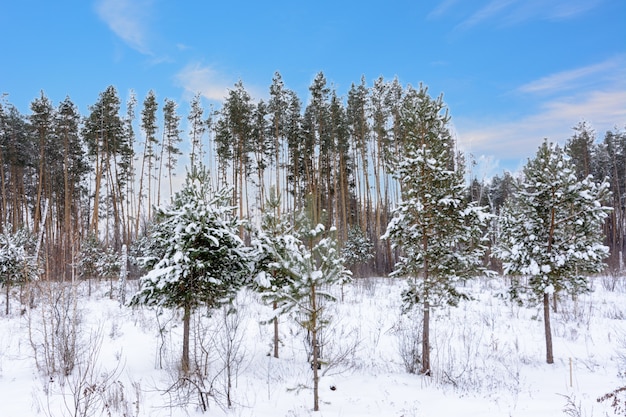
{"x": 75, "y": 179}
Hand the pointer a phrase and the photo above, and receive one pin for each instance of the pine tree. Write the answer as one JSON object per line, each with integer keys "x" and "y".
{"x": 343, "y": 168}
{"x": 294, "y": 134}
{"x": 19, "y": 156}
{"x": 357, "y": 250}
{"x": 277, "y": 108}
{"x": 234, "y": 140}
{"x": 360, "y": 131}
{"x": 197, "y": 257}
{"x": 609, "y": 161}
{"x": 319, "y": 266}
{"x": 579, "y": 148}
{"x": 104, "y": 133}
{"x": 551, "y": 231}
{"x": 381, "y": 152}
{"x": 42, "y": 119}
{"x": 127, "y": 165}
{"x": 437, "y": 228}
{"x": 297, "y": 272}
{"x": 172, "y": 139}
{"x": 261, "y": 147}
{"x": 74, "y": 171}
{"x": 17, "y": 263}
{"x": 197, "y": 126}
{"x": 149, "y": 157}
{"x": 274, "y": 244}
{"x": 318, "y": 146}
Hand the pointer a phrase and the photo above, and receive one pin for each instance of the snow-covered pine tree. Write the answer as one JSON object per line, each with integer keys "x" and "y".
{"x": 357, "y": 250}
{"x": 297, "y": 272}
{"x": 274, "y": 246}
{"x": 198, "y": 258}
{"x": 551, "y": 231}
{"x": 17, "y": 264}
{"x": 320, "y": 267}
{"x": 435, "y": 224}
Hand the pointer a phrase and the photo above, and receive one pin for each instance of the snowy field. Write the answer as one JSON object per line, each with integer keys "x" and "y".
{"x": 488, "y": 357}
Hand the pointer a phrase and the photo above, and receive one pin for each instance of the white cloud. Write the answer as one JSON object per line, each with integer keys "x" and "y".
{"x": 519, "y": 139}
{"x": 572, "y": 8}
{"x": 441, "y": 9}
{"x": 204, "y": 80}
{"x": 128, "y": 20}
{"x": 573, "y": 79}
{"x": 490, "y": 10}
{"x": 595, "y": 93}
{"x": 509, "y": 12}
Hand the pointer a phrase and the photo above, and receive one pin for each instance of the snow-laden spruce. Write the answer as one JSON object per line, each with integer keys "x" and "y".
{"x": 357, "y": 250}
{"x": 439, "y": 231}
{"x": 551, "y": 231}
{"x": 196, "y": 256}
{"x": 17, "y": 264}
{"x": 296, "y": 266}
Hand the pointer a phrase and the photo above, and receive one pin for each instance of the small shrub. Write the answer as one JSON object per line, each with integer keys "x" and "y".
{"x": 409, "y": 333}
{"x": 617, "y": 399}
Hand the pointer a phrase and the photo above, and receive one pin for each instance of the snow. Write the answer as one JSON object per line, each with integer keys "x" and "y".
{"x": 487, "y": 357}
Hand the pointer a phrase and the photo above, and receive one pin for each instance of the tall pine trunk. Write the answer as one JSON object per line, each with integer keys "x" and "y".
{"x": 67, "y": 213}
{"x": 426, "y": 340}
{"x": 186, "y": 325}
{"x": 548, "y": 331}
{"x": 315, "y": 362}
{"x": 3, "y": 194}
{"x": 546, "y": 296}
{"x": 276, "y": 338}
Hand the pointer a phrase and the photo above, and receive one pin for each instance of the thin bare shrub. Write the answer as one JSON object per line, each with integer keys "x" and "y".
{"x": 409, "y": 333}
{"x": 55, "y": 328}
{"x": 217, "y": 356}
{"x": 573, "y": 408}
{"x": 339, "y": 343}
{"x": 91, "y": 390}
{"x": 230, "y": 348}
{"x": 613, "y": 282}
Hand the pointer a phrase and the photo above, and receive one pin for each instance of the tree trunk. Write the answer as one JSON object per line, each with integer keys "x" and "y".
{"x": 67, "y": 214}
{"x": 426, "y": 340}
{"x": 275, "y": 306}
{"x": 185, "y": 357}
{"x": 96, "y": 199}
{"x": 40, "y": 182}
{"x": 160, "y": 169}
{"x": 141, "y": 178}
{"x": 546, "y": 321}
{"x": 7, "y": 286}
{"x": 315, "y": 363}
{"x": 345, "y": 199}
{"x": 3, "y": 194}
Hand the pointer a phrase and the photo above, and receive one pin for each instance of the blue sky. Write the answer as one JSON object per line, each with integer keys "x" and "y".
{"x": 511, "y": 71}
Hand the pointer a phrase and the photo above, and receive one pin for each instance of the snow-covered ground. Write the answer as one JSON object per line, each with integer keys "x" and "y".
{"x": 487, "y": 358}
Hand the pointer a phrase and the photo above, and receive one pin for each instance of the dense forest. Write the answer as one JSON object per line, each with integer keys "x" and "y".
{"x": 84, "y": 185}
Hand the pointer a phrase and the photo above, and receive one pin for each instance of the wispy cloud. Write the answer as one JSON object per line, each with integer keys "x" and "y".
{"x": 594, "y": 93}
{"x": 511, "y": 139}
{"x": 128, "y": 20}
{"x": 570, "y": 9}
{"x": 576, "y": 78}
{"x": 487, "y": 12}
{"x": 510, "y": 12}
{"x": 441, "y": 9}
{"x": 196, "y": 78}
